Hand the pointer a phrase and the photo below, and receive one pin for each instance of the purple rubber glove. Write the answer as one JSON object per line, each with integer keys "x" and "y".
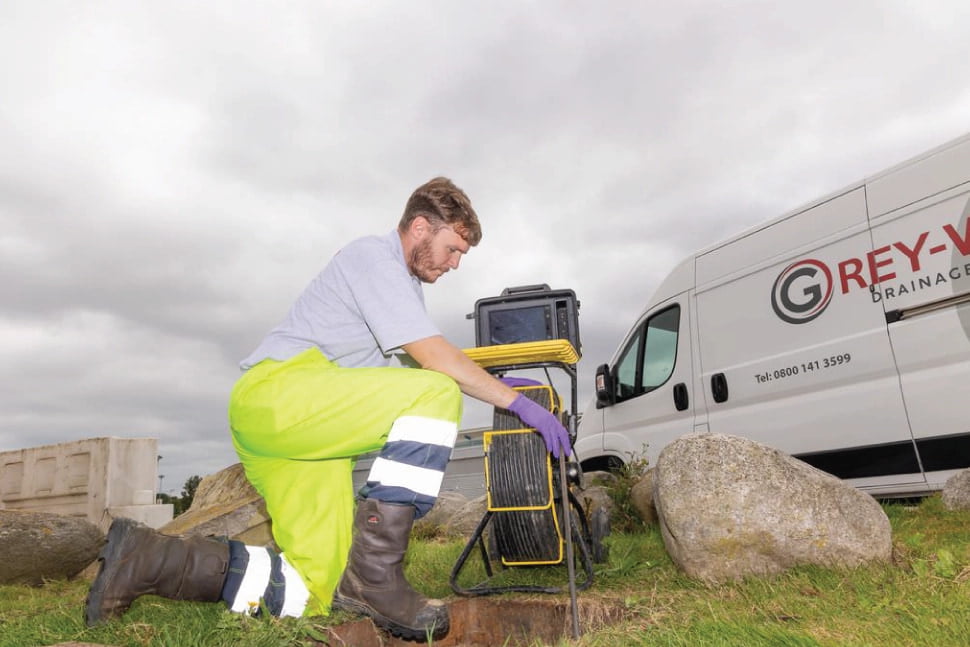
{"x": 551, "y": 430}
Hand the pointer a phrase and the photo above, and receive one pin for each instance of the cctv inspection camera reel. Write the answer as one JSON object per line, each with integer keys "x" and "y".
{"x": 532, "y": 516}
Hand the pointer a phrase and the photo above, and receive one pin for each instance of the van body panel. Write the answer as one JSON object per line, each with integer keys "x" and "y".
{"x": 922, "y": 276}
{"x": 923, "y": 176}
{"x": 679, "y": 281}
{"x": 936, "y": 383}
{"x": 831, "y": 216}
{"x": 921, "y": 253}
{"x": 838, "y": 333}
{"x": 804, "y": 387}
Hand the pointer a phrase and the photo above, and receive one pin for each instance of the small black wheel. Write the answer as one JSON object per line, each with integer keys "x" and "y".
{"x": 599, "y": 529}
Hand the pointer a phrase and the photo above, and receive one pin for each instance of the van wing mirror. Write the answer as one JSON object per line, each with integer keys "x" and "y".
{"x": 604, "y": 386}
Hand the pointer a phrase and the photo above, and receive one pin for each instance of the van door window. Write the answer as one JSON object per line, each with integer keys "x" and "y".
{"x": 628, "y": 366}
{"x": 648, "y": 360}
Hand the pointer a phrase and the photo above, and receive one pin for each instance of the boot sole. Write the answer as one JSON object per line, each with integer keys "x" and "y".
{"x": 385, "y": 623}
{"x": 117, "y": 533}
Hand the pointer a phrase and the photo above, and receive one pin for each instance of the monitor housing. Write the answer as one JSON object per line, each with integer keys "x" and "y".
{"x": 527, "y": 313}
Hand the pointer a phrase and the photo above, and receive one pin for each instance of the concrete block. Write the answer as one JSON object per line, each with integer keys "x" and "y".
{"x": 83, "y": 478}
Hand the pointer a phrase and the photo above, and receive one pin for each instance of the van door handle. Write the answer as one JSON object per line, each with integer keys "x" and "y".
{"x": 680, "y": 396}
{"x": 719, "y": 387}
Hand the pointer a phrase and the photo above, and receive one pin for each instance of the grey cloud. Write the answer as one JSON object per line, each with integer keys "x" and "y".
{"x": 176, "y": 173}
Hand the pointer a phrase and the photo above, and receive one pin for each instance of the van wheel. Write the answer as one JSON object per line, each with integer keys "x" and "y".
{"x": 611, "y": 464}
{"x": 614, "y": 464}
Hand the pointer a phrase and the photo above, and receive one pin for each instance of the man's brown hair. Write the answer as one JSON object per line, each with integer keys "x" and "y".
{"x": 442, "y": 203}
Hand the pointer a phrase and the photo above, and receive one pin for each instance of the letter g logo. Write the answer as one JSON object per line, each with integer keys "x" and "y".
{"x": 802, "y": 291}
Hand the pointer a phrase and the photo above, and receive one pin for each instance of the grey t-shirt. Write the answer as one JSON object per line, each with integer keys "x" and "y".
{"x": 363, "y": 305}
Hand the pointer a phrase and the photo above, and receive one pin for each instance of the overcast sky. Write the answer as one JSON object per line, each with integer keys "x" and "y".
{"x": 172, "y": 174}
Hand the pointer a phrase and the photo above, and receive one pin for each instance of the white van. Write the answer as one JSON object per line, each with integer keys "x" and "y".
{"x": 838, "y": 333}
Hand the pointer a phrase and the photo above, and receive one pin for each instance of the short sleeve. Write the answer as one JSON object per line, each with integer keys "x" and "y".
{"x": 390, "y": 300}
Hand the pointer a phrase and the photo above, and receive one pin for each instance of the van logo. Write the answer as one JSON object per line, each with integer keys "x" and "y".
{"x": 802, "y": 291}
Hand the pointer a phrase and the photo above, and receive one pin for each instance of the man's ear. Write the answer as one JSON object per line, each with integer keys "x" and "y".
{"x": 419, "y": 227}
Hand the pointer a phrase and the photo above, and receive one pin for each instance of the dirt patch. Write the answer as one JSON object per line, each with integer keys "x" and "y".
{"x": 487, "y": 622}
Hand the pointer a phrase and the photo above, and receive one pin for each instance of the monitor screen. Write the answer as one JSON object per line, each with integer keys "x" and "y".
{"x": 516, "y": 325}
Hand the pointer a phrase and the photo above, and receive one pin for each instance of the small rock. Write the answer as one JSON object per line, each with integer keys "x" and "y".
{"x": 956, "y": 491}
{"x": 467, "y": 518}
{"x": 599, "y": 477}
{"x": 641, "y": 496}
{"x": 445, "y": 507}
{"x": 593, "y": 498}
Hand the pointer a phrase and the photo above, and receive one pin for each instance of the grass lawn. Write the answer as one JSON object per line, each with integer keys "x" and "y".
{"x": 638, "y": 598}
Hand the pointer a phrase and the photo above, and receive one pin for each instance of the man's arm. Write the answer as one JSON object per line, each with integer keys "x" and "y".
{"x": 438, "y": 354}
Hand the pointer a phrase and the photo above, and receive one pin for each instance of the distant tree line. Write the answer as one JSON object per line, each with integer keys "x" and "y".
{"x": 182, "y": 503}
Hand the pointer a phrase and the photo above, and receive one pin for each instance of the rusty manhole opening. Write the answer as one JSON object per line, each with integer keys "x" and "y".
{"x": 481, "y": 622}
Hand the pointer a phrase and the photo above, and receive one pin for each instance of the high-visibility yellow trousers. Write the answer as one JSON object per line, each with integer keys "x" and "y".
{"x": 298, "y": 427}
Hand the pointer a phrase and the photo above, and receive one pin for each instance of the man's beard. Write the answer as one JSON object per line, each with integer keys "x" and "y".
{"x": 420, "y": 262}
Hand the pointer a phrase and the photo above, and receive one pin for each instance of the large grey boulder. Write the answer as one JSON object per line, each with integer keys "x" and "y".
{"x": 956, "y": 491}
{"x": 730, "y": 507}
{"x": 38, "y": 546}
{"x": 225, "y": 504}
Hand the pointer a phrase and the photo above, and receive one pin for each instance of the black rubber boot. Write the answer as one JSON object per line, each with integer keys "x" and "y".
{"x": 374, "y": 584}
{"x": 140, "y": 561}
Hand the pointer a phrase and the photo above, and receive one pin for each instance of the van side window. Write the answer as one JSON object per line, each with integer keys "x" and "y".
{"x": 626, "y": 368}
{"x": 648, "y": 360}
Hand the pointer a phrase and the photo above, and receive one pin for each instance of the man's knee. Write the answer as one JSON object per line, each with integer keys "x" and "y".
{"x": 441, "y": 384}
{"x": 440, "y": 388}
